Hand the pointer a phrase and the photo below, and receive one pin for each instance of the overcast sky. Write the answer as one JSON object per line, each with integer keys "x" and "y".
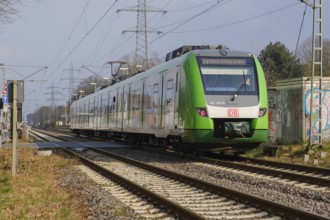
{"x": 89, "y": 33}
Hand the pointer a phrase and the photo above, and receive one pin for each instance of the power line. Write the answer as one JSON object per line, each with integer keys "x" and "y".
{"x": 188, "y": 20}
{"x": 240, "y": 21}
{"x": 73, "y": 29}
{"x": 141, "y": 30}
{"x": 295, "y": 51}
{"x": 195, "y": 6}
{"x": 85, "y": 36}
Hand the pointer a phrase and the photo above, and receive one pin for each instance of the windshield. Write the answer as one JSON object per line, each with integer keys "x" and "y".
{"x": 228, "y": 75}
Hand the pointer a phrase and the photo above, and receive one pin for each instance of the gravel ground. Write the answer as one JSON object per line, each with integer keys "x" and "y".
{"x": 103, "y": 205}
{"x": 316, "y": 201}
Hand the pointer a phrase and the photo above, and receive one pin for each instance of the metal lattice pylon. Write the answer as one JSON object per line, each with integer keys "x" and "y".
{"x": 315, "y": 137}
{"x": 141, "y": 30}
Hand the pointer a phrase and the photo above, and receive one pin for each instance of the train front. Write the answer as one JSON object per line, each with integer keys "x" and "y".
{"x": 234, "y": 103}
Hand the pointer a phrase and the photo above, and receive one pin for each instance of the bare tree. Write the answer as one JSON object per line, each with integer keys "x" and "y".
{"x": 305, "y": 56}
{"x": 153, "y": 60}
{"x": 7, "y": 10}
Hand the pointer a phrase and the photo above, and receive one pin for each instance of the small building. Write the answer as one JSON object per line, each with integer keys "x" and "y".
{"x": 289, "y": 110}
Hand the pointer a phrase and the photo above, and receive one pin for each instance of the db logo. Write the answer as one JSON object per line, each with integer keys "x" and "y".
{"x": 232, "y": 113}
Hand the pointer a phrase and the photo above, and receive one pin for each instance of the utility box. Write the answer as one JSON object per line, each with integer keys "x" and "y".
{"x": 20, "y": 91}
{"x": 289, "y": 110}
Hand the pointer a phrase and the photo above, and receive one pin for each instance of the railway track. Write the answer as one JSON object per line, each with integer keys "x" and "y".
{"x": 294, "y": 172}
{"x": 237, "y": 204}
{"x": 206, "y": 200}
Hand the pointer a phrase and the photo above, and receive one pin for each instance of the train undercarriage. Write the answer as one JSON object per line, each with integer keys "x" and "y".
{"x": 173, "y": 142}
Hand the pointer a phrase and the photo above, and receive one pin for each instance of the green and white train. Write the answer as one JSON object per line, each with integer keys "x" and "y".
{"x": 202, "y": 98}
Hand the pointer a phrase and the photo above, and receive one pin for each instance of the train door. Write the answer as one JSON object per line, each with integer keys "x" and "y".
{"x": 112, "y": 103}
{"x": 169, "y": 99}
{"x": 143, "y": 101}
{"x": 97, "y": 113}
{"x": 163, "y": 78}
{"x": 85, "y": 114}
{"x": 89, "y": 112}
{"x": 100, "y": 112}
{"x": 134, "y": 120}
{"x": 169, "y": 103}
{"x": 127, "y": 106}
{"x": 148, "y": 112}
{"x": 104, "y": 111}
{"x": 119, "y": 119}
{"x": 176, "y": 97}
{"x": 155, "y": 106}
{"x": 81, "y": 111}
{"x": 108, "y": 111}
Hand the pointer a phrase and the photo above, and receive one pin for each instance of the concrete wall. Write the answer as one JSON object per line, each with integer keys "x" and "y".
{"x": 289, "y": 110}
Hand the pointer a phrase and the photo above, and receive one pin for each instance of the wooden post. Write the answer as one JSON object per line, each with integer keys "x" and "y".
{"x": 14, "y": 160}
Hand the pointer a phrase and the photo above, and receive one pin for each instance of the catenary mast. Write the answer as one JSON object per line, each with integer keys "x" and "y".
{"x": 141, "y": 30}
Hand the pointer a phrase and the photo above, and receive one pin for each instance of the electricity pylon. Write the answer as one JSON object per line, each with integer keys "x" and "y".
{"x": 142, "y": 30}
{"x": 316, "y": 72}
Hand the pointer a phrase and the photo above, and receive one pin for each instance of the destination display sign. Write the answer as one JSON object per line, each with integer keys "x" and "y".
{"x": 223, "y": 61}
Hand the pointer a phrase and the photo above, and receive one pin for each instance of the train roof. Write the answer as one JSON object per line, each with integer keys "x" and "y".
{"x": 205, "y": 50}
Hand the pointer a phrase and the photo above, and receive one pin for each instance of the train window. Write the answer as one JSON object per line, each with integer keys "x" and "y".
{"x": 227, "y": 77}
{"x": 169, "y": 84}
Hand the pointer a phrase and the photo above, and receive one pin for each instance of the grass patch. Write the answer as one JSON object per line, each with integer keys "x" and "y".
{"x": 121, "y": 212}
{"x": 34, "y": 193}
{"x": 5, "y": 186}
{"x": 294, "y": 153}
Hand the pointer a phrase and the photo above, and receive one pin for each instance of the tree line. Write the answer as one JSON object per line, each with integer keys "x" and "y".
{"x": 279, "y": 63}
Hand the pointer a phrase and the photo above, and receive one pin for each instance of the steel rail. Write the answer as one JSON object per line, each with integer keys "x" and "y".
{"x": 288, "y": 174}
{"x": 258, "y": 202}
{"x": 171, "y": 207}
{"x": 298, "y": 167}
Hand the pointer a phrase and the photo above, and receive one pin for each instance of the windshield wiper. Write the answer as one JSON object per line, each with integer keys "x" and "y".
{"x": 240, "y": 88}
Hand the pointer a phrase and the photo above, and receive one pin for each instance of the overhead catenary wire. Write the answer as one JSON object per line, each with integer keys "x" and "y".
{"x": 295, "y": 51}
{"x": 188, "y": 20}
{"x": 123, "y": 41}
{"x": 84, "y": 37}
{"x": 70, "y": 35}
{"x": 240, "y": 21}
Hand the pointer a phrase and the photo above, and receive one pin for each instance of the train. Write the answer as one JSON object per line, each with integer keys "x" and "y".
{"x": 202, "y": 98}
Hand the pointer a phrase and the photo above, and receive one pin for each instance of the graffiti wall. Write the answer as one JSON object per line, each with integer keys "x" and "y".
{"x": 272, "y": 122}
{"x": 289, "y": 110}
{"x": 325, "y": 117}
